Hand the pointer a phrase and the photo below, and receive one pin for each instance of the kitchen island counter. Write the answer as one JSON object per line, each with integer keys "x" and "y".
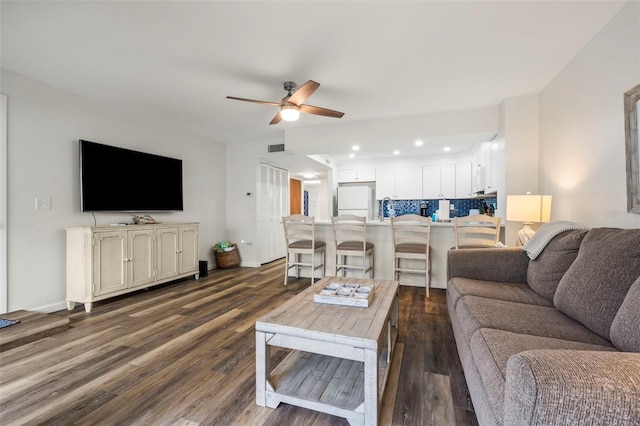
{"x": 379, "y": 233}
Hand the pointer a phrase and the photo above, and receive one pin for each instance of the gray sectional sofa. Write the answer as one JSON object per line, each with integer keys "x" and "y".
{"x": 553, "y": 340}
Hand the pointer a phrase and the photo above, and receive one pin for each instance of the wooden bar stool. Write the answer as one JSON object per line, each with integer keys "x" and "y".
{"x": 350, "y": 235}
{"x": 411, "y": 242}
{"x": 476, "y": 231}
{"x": 299, "y": 233}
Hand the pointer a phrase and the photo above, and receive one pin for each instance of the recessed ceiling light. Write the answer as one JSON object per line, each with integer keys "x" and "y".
{"x": 446, "y": 149}
{"x": 308, "y": 175}
{"x": 418, "y": 143}
{"x": 355, "y": 147}
{"x": 396, "y": 152}
{"x": 352, "y": 155}
{"x": 311, "y": 182}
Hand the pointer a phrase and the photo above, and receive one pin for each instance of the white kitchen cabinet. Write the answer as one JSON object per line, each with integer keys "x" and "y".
{"x": 463, "y": 180}
{"x": 439, "y": 181}
{"x": 403, "y": 183}
{"x": 107, "y": 261}
{"x": 494, "y": 165}
{"x": 356, "y": 175}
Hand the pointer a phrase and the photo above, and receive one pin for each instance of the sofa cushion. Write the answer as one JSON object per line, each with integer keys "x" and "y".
{"x": 475, "y": 313}
{"x": 544, "y": 273}
{"x": 492, "y": 348}
{"x": 512, "y": 292}
{"x": 597, "y": 282}
{"x": 625, "y": 329}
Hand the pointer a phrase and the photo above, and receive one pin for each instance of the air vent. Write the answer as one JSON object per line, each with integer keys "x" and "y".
{"x": 276, "y": 148}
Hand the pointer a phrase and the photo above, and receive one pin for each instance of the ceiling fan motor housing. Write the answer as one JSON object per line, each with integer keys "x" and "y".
{"x": 289, "y": 86}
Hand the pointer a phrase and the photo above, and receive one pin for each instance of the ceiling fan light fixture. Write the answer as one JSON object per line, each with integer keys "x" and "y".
{"x": 289, "y": 113}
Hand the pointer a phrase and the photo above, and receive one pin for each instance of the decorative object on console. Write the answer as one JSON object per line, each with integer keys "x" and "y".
{"x": 528, "y": 209}
{"x": 143, "y": 220}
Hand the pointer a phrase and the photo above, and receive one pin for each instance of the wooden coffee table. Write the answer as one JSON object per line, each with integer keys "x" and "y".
{"x": 341, "y": 356}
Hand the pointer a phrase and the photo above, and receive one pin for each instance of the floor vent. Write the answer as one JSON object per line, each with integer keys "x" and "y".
{"x": 276, "y": 148}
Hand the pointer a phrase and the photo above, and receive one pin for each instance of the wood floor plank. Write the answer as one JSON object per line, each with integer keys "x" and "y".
{"x": 183, "y": 354}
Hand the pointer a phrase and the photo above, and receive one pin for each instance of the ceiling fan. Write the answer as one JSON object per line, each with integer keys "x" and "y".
{"x": 292, "y": 105}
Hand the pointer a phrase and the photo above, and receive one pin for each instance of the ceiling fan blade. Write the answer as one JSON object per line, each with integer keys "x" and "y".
{"x": 276, "y": 119}
{"x": 254, "y": 101}
{"x": 310, "y": 109}
{"x": 306, "y": 90}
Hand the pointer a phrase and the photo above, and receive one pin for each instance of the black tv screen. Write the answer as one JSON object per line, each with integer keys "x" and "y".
{"x": 117, "y": 179}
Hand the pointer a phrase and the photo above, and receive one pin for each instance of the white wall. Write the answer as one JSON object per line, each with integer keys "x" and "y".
{"x": 582, "y": 152}
{"x": 242, "y": 163}
{"x": 519, "y": 134}
{"x": 44, "y": 125}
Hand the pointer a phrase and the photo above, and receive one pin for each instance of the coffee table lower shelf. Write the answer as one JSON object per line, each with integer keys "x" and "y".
{"x": 323, "y": 383}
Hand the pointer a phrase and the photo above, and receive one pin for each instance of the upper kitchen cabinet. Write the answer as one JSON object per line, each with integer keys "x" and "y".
{"x": 493, "y": 165}
{"x": 402, "y": 183}
{"x": 439, "y": 182}
{"x": 356, "y": 175}
{"x": 463, "y": 180}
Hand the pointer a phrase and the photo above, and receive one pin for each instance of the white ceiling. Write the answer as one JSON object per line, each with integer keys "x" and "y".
{"x": 178, "y": 60}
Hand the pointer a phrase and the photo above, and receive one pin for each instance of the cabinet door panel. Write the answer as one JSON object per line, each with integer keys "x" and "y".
{"x": 409, "y": 183}
{"x": 463, "y": 180}
{"x": 350, "y": 175}
{"x": 188, "y": 249}
{"x": 140, "y": 261}
{"x": 431, "y": 182}
{"x": 110, "y": 252}
{"x": 385, "y": 183}
{"x": 448, "y": 181}
{"x": 167, "y": 256}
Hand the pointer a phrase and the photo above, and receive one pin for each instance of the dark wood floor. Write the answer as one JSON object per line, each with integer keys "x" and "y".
{"x": 183, "y": 354}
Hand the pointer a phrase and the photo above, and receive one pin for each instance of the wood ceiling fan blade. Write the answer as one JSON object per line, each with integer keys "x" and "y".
{"x": 276, "y": 119}
{"x": 306, "y": 90}
{"x": 254, "y": 101}
{"x": 310, "y": 109}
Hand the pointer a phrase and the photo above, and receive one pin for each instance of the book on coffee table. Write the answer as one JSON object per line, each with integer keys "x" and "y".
{"x": 347, "y": 294}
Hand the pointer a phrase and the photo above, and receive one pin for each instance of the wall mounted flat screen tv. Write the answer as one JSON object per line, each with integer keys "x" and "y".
{"x": 116, "y": 179}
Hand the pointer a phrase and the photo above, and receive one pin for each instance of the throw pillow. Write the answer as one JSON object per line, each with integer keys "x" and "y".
{"x": 544, "y": 273}
{"x": 625, "y": 329}
{"x": 598, "y": 280}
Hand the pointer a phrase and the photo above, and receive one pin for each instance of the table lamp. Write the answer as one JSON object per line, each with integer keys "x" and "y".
{"x": 528, "y": 209}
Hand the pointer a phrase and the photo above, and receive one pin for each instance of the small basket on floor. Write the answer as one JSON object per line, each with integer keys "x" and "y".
{"x": 227, "y": 259}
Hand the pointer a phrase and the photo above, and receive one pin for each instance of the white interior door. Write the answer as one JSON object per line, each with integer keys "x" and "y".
{"x": 273, "y": 203}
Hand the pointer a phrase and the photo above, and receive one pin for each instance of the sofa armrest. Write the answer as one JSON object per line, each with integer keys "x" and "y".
{"x": 490, "y": 264}
{"x": 571, "y": 387}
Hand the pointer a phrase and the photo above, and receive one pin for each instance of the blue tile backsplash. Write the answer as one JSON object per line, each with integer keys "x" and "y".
{"x": 462, "y": 206}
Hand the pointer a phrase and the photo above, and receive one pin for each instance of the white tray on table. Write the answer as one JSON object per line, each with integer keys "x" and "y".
{"x": 345, "y": 294}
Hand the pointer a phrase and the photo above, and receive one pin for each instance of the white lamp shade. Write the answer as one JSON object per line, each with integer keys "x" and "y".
{"x": 289, "y": 113}
{"x": 529, "y": 208}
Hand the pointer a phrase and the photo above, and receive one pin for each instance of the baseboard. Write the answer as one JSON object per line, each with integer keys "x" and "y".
{"x": 47, "y": 309}
{"x": 250, "y": 264}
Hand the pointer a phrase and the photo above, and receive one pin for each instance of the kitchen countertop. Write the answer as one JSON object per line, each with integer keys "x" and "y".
{"x": 379, "y": 233}
{"x": 387, "y": 222}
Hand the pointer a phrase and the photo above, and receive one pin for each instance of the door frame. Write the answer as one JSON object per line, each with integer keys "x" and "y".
{"x": 4, "y": 288}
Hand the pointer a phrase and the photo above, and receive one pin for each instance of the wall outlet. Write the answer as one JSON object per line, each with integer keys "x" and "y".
{"x": 452, "y": 207}
{"x": 43, "y": 203}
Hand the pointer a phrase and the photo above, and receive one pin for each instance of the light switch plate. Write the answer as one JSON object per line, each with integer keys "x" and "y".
{"x": 43, "y": 203}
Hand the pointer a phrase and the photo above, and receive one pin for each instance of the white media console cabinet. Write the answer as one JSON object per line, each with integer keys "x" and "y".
{"x": 107, "y": 261}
